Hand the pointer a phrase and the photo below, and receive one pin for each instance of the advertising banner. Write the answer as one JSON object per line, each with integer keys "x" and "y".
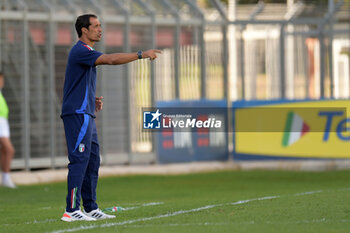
{"x": 291, "y": 129}
{"x": 189, "y": 130}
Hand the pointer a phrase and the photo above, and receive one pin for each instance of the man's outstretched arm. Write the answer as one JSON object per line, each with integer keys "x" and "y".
{"x": 123, "y": 58}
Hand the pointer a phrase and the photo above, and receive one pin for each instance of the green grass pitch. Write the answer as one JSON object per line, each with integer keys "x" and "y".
{"x": 230, "y": 201}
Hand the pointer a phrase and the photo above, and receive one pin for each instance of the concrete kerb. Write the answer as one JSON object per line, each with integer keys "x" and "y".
{"x": 57, "y": 175}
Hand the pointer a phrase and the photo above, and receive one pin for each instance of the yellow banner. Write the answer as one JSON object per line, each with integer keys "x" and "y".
{"x": 313, "y": 129}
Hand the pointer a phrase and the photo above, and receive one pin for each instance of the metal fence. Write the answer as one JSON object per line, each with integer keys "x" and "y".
{"x": 262, "y": 51}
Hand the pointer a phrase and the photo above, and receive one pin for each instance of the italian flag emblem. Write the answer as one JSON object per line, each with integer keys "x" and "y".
{"x": 295, "y": 129}
{"x": 73, "y": 198}
{"x": 81, "y": 147}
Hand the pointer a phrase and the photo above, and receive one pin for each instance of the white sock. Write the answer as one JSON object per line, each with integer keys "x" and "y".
{"x": 6, "y": 176}
{"x": 7, "y": 181}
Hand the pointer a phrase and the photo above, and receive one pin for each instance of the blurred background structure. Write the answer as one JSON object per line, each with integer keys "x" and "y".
{"x": 219, "y": 50}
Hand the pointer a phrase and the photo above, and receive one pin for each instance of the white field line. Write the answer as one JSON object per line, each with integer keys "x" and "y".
{"x": 85, "y": 227}
{"x": 182, "y": 224}
{"x": 136, "y": 220}
{"x": 41, "y": 221}
{"x": 56, "y": 220}
{"x": 143, "y": 205}
{"x": 322, "y": 220}
{"x": 34, "y": 222}
{"x": 160, "y": 203}
{"x": 308, "y": 193}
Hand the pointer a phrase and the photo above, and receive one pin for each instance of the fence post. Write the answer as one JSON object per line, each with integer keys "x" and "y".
{"x": 52, "y": 87}
{"x": 202, "y": 54}
{"x": 26, "y": 91}
{"x": 242, "y": 63}
{"x": 322, "y": 63}
{"x": 330, "y": 45}
{"x": 282, "y": 62}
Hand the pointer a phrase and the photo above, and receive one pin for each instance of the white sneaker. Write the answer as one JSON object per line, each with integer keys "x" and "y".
{"x": 76, "y": 216}
{"x": 8, "y": 183}
{"x": 98, "y": 214}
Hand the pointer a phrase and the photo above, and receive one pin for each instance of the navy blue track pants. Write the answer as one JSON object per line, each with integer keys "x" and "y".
{"x": 84, "y": 161}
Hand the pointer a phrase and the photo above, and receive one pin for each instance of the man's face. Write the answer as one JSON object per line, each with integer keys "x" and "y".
{"x": 94, "y": 33}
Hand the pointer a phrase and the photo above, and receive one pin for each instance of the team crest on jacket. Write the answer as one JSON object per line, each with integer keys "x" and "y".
{"x": 81, "y": 147}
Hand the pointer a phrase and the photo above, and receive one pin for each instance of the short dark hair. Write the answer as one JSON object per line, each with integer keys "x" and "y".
{"x": 1, "y": 74}
{"x": 83, "y": 21}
